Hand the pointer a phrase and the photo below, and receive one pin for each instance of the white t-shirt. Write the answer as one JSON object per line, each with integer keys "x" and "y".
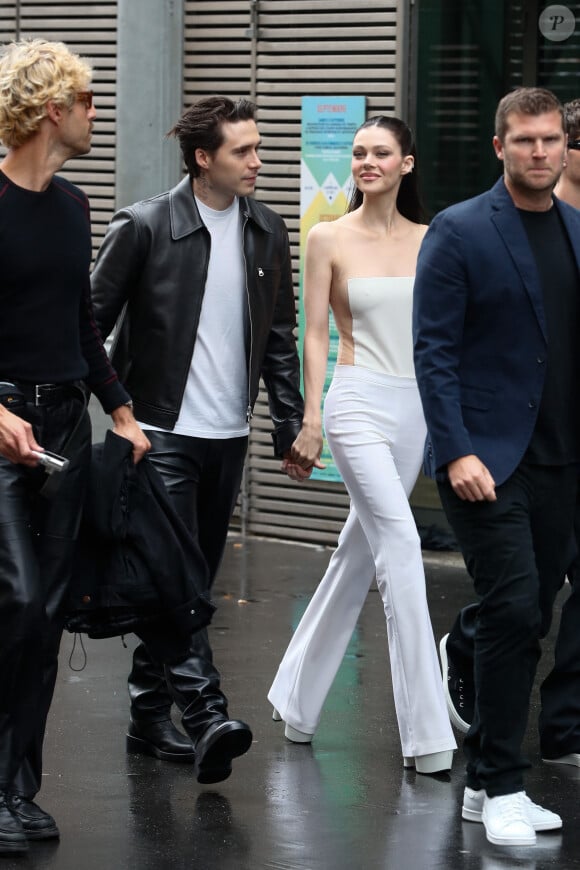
{"x": 215, "y": 401}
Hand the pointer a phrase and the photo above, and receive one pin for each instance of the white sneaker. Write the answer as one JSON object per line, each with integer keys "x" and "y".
{"x": 573, "y": 758}
{"x": 539, "y": 818}
{"x": 506, "y": 820}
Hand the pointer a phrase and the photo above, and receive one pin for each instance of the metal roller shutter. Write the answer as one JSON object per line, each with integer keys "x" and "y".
{"x": 275, "y": 53}
{"x": 8, "y": 21}
{"x": 90, "y": 29}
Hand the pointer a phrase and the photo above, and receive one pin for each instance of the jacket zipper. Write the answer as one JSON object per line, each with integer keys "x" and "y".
{"x": 249, "y": 412}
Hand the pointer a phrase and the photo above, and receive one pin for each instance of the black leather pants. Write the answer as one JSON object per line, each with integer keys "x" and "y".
{"x": 203, "y": 479}
{"x": 36, "y": 551}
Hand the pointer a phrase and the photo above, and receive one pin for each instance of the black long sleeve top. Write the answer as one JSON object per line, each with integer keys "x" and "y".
{"x": 47, "y": 329}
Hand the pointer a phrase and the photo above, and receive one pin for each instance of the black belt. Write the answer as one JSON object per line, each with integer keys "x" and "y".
{"x": 42, "y": 394}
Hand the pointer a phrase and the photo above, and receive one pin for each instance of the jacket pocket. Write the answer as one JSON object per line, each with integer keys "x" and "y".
{"x": 478, "y": 398}
{"x": 266, "y": 276}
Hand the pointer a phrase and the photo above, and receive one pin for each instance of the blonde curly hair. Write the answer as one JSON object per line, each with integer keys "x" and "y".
{"x": 32, "y": 72}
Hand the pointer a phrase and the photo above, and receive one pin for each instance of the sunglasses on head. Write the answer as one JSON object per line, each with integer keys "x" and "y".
{"x": 85, "y": 97}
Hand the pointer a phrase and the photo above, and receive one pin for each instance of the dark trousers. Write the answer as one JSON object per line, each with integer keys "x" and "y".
{"x": 36, "y": 550}
{"x": 516, "y": 550}
{"x": 559, "y": 722}
{"x": 203, "y": 478}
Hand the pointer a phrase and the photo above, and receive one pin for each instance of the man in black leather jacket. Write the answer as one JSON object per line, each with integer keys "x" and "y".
{"x": 201, "y": 277}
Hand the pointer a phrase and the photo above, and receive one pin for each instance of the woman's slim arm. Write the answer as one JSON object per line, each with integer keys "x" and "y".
{"x": 317, "y": 283}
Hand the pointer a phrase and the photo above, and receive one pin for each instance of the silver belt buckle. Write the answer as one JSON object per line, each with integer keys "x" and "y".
{"x": 37, "y": 395}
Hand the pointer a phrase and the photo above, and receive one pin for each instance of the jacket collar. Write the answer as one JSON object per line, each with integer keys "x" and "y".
{"x": 185, "y": 218}
{"x": 255, "y": 212}
{"x": 500, "y": 197}
{"x": 513, "y": 234}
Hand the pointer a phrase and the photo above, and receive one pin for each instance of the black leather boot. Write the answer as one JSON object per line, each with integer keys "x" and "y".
{"x": 161, "y": 740}
{"x": 12, "y": 836}
{"x": 223, "y": 741}
{"x": 36, "y": 822}
{"x": 148, "y": 692}
{"x": 195, "y": 687}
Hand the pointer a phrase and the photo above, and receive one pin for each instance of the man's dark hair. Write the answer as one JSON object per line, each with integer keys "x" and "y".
{"x": 525, "y": 101}
{"x": 201, "y": 125}
{"x": 572, "y": 119}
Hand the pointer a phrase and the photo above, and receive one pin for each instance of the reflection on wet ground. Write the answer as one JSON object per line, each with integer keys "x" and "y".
{"x": 345, "y": 802}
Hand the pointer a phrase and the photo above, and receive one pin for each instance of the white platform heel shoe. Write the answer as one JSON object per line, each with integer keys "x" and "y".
{"x": 292, "y": 734}
{"x": 434, "y": 762}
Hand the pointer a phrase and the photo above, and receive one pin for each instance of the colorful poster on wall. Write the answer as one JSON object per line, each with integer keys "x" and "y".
{"x": 328, "y": 127}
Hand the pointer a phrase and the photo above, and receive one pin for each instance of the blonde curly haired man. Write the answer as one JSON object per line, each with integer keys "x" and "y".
{"x": 49, "y": 346}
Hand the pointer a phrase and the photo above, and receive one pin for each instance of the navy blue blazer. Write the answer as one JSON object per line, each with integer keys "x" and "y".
{"x": 480, "y": 332}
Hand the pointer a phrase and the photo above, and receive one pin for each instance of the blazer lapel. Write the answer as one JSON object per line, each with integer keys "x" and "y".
{"x": 508, "y": 223}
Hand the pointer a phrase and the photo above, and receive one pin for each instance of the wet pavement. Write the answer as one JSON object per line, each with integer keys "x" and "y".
{"x": 343, "y": 803}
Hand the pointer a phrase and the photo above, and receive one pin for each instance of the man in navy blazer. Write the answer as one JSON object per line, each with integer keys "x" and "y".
{"x": 559, "y": 723}
{"x": 496, "y": 315}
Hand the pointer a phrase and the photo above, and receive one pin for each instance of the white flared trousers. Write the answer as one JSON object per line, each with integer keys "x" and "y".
{"x": 376, "y": 431}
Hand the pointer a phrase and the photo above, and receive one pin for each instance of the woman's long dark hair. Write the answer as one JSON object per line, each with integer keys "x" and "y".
{"x": 409, "y": 201}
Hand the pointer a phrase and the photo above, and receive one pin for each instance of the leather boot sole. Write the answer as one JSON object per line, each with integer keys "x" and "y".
{"x": 215, "y": 761}
{"x": 51, "y": 833}
{"x": 12, "y": 843}
{"x": 138, "y": 746}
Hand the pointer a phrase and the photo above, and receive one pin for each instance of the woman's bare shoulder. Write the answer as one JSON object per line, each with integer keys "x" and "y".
{"x": 325, "y": 229}
{"x": 330, "y": 233}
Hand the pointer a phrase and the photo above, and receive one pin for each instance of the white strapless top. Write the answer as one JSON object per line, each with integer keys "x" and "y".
{"x": 382, "y": 335}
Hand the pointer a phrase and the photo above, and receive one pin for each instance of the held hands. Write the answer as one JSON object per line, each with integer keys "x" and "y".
{"x": 471, "y": 480}
{"x": 294, "y": 472}
{"x": 16, "y": 439}
{"x": 127, "y": 427}
{"x": 304, "y": 455}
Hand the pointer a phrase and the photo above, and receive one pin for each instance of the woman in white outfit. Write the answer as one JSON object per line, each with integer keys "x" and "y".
{"x": 362, "y": 266}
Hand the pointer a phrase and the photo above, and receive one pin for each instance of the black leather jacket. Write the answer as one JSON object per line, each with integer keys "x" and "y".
{"x": 152, "y": 269}
{"x": 119, "y": 583}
